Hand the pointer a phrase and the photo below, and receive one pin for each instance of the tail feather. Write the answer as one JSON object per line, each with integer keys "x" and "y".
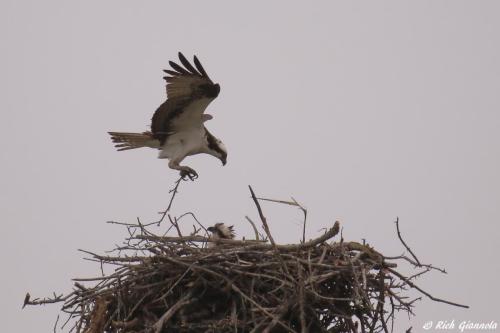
{"x": 126, "y": 141}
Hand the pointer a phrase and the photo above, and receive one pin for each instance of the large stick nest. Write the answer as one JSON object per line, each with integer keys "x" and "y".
{"x": 179, "y": 284}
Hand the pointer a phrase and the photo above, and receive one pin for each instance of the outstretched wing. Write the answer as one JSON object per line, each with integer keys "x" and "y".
{"x": 185, "y": 81}
{"x": 189, "y": 91}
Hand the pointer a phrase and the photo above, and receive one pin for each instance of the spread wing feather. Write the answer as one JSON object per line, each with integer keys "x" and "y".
{"x": 183, "y": 82}
{"x": 181, "y": 111}
{"x": 178, "y": 68}
{"x": 188, "y": 65}
{"x": 200, "y": 67}
{"x": 170, "y": 72}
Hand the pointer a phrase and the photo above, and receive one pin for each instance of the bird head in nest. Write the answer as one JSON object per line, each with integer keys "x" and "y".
{"x": 222, "y": 231}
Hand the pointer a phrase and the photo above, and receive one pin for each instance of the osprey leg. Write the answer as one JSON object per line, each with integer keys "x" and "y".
{"x": 185, "y": 171}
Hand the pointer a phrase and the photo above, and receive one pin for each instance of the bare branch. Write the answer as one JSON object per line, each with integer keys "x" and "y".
{"x": 168, "y": 282}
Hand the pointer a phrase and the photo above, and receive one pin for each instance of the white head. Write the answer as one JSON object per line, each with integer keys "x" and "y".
{"x": 216, "y": 148}
{"x": 222, "y": 152}
{"x": 220, "y": 230}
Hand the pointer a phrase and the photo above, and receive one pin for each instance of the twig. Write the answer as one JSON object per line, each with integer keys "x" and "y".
{"x": 268, "y": 232}
{"x": 254, "y": 227}
{"x": 234, "y": 287}
{"x": 240, "y": 285}
{"x": 303, "y": 324}
{"x": 292, "y": 203}
{"x": 304, "y": 211}
{"x": 416, "y": 262}
{"x": 158, "y": 326}
{"x": 404, "y": 243}
{"x": 164, "y": 213}
{"x": 413, "y": 285}
{"x": 55, "y": 324}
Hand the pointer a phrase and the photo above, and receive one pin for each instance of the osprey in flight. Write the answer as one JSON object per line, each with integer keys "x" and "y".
{"x": 177, "y": 127}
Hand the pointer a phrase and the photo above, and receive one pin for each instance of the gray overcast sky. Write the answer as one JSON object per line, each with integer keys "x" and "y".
{"x": 362, "y": 111}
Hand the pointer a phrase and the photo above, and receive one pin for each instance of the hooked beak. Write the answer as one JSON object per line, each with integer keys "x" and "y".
{"x": 224, "y": 161}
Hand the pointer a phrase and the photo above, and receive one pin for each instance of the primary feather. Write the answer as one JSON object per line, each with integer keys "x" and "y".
{"x": 177, "y": 126}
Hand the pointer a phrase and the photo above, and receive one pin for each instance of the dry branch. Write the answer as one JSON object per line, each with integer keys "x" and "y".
{"x": 165, "y": 283}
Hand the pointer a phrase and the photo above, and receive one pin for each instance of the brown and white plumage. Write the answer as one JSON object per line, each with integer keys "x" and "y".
{"x": 220, "y": 231}
{"x": 177, "y": 126}
{"x": 126, "y": 141}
